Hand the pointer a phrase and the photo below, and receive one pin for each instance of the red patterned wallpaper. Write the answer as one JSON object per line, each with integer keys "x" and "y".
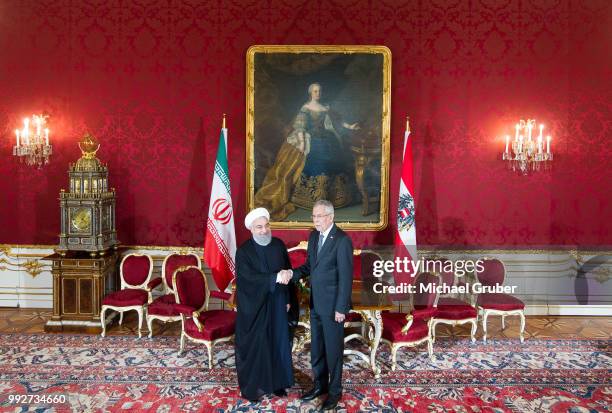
{"x": 151, "y": 80}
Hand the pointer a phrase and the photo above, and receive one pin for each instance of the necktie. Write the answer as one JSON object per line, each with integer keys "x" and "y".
{"x": 320, "y": 245}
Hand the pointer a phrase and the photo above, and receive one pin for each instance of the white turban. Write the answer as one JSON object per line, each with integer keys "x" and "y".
{"x": 254, "y": 214}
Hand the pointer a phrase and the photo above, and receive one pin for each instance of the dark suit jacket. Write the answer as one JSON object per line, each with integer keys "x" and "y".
{"x": 331, "y": 272}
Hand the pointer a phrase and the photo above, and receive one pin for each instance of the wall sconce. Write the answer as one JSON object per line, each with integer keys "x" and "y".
{"x": 529, "y": 154}
{"x": 32, "y": 142}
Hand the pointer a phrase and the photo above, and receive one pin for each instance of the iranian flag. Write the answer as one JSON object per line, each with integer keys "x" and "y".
{"x": 220, "y": 242}
{"x": 405, "y": 237}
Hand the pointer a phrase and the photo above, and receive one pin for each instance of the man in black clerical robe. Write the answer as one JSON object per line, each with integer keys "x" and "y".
{"x": 265, "y": 309}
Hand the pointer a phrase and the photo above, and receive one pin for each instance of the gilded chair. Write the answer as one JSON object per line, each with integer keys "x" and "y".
{"x": 163, "y": 307}
{"x": 198, "y": 324}
{"x": 135, "y": 272}
{"x": 414, "y": 328}
{"x": 363, "y": 268}
{"x": 451, "y": 310}
{"x": 491, "y": 303}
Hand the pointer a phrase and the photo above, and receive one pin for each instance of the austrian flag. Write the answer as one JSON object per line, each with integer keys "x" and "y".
{"x": 405, "y": 237}
{"x": 220, "y": 242}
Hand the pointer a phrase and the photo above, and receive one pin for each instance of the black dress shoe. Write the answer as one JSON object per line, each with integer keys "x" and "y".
{"x": 280, "y": 393}
{"x": 312, "y": 394}
{"x": 331, "y": 403}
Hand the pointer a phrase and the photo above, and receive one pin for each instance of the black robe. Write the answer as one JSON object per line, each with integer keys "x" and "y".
{"x": 263, "y": 338}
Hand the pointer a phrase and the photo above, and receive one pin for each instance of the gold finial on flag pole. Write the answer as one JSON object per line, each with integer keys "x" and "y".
{"x": 407, "y": 123}
{"x": 223, "y": 126}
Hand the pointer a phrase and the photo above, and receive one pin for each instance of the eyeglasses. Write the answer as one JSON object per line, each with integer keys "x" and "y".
{"x": 319, "y": 216}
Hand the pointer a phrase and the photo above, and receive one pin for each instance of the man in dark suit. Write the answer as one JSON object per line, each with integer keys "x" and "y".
{"x": 330, "y": 267}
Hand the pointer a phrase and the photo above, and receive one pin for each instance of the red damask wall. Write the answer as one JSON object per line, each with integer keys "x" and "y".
{"x": 151, "y": 80}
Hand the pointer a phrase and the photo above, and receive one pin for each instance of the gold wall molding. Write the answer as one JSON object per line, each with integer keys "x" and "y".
{"x": 33, "y": 267}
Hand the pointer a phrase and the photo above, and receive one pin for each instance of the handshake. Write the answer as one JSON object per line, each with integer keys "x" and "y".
{"x": 284, "y": 276}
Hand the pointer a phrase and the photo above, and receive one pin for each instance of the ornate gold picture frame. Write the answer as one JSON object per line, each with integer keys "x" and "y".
{"x": 318, "y": 127}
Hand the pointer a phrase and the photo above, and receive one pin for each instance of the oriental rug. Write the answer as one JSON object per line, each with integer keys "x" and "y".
{"x": 122, "y": 373}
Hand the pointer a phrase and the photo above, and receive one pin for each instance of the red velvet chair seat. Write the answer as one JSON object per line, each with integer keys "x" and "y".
{"x": 353, "y": 318}
{"x": 423, "y": 312}
{"x": 454, "y": 309}
{"x": 499, "y": 301}
{"x": 126, "y": 298}
{"x": 393, "y": 324}
{"x": 164, "y": 306}
{"x": 217, "y": 324}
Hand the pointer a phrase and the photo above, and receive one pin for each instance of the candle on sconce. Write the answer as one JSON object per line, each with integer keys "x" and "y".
{"x": 38, "y": 125}
{"x": 540, "y": 141}
{"x": 541, "y": 129}
{"x": 529, "y": 127}
{"x": 520, "y": 144}
{"x": 548, "y": 144}
{"x": 507, "y": 142}
{"x": 26, "y": 131}
{"x": 46, "y": 136}
{"x": 516, "y": 136}
{"x": 17, "y": 135}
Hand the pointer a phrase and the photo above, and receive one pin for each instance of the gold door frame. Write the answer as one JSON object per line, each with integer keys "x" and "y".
{"x": 382, "y": 221}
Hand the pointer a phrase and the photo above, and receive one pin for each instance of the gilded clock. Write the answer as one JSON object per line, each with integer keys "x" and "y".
{"x": 88, "y": 207}
{"x": 81, "y": 220}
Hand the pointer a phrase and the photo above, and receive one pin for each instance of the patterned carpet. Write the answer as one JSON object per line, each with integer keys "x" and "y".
{"x": 120, "y": 373}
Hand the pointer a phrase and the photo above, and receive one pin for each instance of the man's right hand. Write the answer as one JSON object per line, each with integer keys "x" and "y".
{"x": 284, "y": 276}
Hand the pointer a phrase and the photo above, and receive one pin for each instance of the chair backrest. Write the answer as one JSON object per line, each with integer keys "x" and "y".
{"x": 135, "y": 270}
{"x": 363, "y": 263}
{"x": 174, "y": 261}
{"x": 443, "y": 267}
{"x": 190, "y": 287}
{"x": 298, "y": 254}
{"x": 426, "y": 294}
{"x": 494, "y": 272}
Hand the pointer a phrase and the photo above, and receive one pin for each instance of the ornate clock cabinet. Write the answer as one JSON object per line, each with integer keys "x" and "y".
{"x": 84, "y": 267}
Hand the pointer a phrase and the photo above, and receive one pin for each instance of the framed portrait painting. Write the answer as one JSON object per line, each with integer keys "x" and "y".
{"x": 318, "y": 125}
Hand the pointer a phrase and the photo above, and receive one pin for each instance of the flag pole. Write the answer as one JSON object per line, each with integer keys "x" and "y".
{"x": 223, "y": 125}
{"x": 407, "y": 123}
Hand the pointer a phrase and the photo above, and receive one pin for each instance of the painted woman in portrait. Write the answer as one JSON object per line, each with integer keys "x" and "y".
{"x": 313, "y": 163}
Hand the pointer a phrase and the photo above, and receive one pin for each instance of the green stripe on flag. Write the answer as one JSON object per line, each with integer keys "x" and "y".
{"x": 221, "y": 168}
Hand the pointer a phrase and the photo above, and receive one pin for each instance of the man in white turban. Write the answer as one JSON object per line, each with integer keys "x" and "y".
{"x": 265, "y": 307}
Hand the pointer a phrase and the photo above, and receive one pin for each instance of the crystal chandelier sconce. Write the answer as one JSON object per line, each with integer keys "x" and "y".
{"x": 32, "y": 142}
{"x": 526, "y": 152}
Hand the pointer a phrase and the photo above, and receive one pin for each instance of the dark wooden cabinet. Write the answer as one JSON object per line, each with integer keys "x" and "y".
{"x": 79, "y": 284}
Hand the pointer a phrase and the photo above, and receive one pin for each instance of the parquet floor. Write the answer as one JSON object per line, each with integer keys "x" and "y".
{"x": 32, "y": 321}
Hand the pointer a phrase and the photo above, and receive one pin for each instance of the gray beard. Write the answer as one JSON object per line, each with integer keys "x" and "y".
{"x": 262, "y": 240}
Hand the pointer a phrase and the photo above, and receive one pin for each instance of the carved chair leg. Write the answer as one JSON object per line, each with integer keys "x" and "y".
{"x": 394, "y": 357}
{"x": 503, "y": 322}
{"x": 210, "y": 360}
{"x": 150, "y": 326}
{"x": 121, "y": 318}
{"x": 182, "y": 344}
{"x": 474, "y": 329}
{"x": 139, "y": 311}
{"x": 433, "y": 332}
{"x": 485, "y": 315}
{"x": 522, "y": 316}
{"x": 103, "y": 321}
{"x": 430, "y": 349}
